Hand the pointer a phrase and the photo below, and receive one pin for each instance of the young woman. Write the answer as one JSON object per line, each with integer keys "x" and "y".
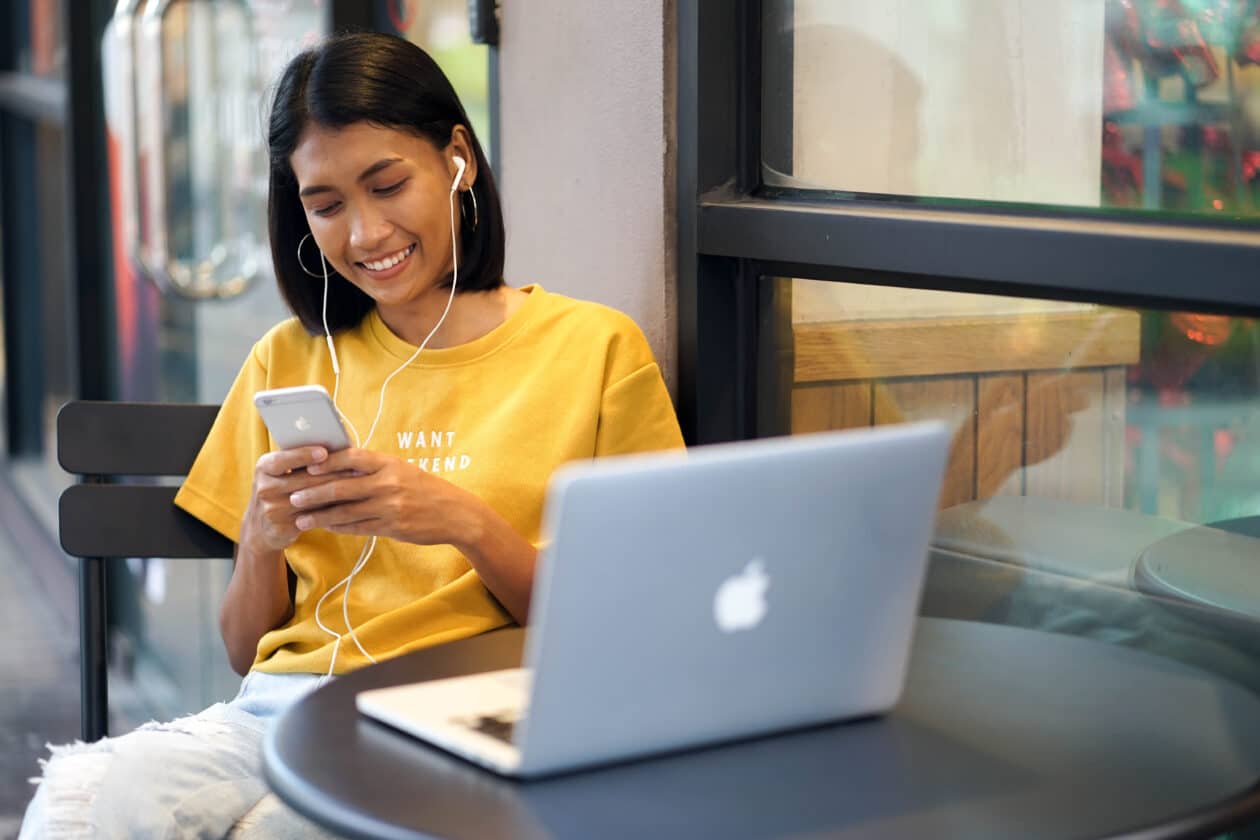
{"x": 463, "y": 395}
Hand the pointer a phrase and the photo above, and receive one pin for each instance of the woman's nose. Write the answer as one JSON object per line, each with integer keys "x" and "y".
{"x": 368, "y": 230}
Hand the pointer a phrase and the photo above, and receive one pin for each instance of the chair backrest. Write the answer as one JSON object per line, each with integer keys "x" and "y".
{"x": 101, "y": 518}
{"x": 104, "y": 440}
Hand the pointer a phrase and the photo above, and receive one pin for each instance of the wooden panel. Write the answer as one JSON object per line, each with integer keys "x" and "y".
{"x": 818, "y": 408}
{"x": 952, "y": 399}
{"x": 1000, "y": 436}
{"x": 1063, "y": 450}
{"x": 890, "y": 348}
{"x": 1115, "y": 399}
{"x": 811, "y": 409}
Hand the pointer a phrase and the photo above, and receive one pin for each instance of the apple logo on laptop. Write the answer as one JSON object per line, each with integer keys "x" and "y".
{"x": 740, "y": 602}
{"x": 302, "y": 424}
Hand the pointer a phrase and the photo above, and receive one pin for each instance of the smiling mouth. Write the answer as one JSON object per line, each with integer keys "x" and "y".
{"x": 386, "y": 263}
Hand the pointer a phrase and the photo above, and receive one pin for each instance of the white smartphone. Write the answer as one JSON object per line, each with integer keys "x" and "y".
{"x": 302, "y": 416}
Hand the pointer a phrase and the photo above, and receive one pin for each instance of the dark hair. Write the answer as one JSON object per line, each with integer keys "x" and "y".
{"x": 387, "y": 81}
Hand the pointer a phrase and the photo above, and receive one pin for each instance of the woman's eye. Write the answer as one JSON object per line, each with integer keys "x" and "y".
{"x": 391, "y": 189}
{"x": 327, "y": 209}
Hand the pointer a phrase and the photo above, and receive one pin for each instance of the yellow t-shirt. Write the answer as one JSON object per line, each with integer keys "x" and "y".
{"x": 559, "y": 380}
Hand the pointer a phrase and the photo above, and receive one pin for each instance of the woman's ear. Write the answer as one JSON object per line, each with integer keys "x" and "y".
{"x": 461, "y": 146}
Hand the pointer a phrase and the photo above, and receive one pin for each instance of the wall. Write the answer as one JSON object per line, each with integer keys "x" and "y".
{"x": 587, "y": 155}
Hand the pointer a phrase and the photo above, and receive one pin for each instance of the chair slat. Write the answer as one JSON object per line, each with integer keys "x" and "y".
{"x": 117, "y": 520}
{"x": 112, "y": 438}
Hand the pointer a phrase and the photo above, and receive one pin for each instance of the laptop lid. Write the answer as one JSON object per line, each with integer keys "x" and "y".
{"x": 729, "y": 591}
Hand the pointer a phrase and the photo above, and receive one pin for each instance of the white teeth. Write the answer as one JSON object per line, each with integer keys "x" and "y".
{"x": 390, "y": 262}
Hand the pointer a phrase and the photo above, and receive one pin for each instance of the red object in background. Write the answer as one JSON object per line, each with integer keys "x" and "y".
{"x": 1223, "y": 442}
{"x": 401, "y": 14}
{"x": 44, "y": 37}
{"x": 1250, "y": 164}
{"x": 1122, "y": 169}
{"x": 1117, "y": 81}
{"x": 1210, "y": 330}
{"x": 1247, "y": 50}
{"x": 1249, "y": 45}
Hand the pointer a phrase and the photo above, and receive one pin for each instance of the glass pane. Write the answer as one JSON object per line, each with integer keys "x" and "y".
{"x": 1103, "y": 479}
{"x": 1111, "y": 104}
{"x": 223, "y": 331}
{"x": 170, "y": 348}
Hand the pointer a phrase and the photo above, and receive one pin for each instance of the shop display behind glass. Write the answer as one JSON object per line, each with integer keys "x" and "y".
{"x": 1110, "y": 105}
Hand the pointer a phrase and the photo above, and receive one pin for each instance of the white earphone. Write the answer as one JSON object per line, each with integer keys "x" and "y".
{"x": 460, "y": 166}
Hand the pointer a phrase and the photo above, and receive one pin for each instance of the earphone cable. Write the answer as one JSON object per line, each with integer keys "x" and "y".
{"x": 371, "y": 544}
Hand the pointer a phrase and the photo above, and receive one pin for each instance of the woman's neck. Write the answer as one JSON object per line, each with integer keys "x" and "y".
{"x": 472, "y": 315}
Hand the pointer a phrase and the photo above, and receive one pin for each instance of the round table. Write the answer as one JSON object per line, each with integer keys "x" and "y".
{"x": 1001, "y": 732}
{"x": 1215, "y": 566}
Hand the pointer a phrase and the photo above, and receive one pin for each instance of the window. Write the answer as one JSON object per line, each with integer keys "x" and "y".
{"x": 1104, "y": 106}
{"x": 1133, "y": 409}
{"x": 1035, "y": 220}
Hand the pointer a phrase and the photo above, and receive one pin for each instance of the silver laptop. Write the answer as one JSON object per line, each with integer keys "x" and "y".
{"x": 688, "y": 599}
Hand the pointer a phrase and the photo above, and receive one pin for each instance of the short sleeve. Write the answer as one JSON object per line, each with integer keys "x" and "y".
{"x": 636, "y": 415}
{"x": 217, "y": 488}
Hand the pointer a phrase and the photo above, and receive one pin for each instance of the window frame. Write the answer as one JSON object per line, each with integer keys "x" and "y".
{"x": 734, "y": 233}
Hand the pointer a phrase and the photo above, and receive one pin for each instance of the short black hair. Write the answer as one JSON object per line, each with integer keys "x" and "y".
{"x": 386, "y": 81}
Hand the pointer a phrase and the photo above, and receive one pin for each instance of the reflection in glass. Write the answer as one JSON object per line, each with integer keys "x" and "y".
{"x": 1132, "y": 104}
{"x": 1103, "y": 479}
{"x": 203, "y": 235}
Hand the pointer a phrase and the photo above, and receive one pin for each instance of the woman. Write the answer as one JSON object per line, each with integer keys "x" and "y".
{"x": 464, "y": 395}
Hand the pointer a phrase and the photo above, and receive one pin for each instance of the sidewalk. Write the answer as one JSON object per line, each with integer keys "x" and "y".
{"x": 39, "y": 653}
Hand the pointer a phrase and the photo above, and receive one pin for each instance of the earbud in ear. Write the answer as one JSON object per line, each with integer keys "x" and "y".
{"x": 460, "y": 166}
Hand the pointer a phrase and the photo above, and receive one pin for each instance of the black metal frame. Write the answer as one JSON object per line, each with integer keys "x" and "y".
{"x": 76, "y": 107}
{"x": 352, "y": 16}
{"x": 101, "y": 441}
{"x": 734, "y": 231}
{"x": 88, "y": 200}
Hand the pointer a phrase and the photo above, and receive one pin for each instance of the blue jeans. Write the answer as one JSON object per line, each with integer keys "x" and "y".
{"x": 197, "y": 776}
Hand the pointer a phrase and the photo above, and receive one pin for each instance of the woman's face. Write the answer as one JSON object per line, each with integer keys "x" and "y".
{"x": 378, "y": 204}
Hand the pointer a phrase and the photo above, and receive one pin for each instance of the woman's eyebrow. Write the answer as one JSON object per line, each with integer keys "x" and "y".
{"x": 367, "y": 173}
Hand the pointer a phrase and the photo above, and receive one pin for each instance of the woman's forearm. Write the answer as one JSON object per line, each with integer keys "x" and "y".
{"x": 257, "y": 600}
{"x": 503, "y": 559}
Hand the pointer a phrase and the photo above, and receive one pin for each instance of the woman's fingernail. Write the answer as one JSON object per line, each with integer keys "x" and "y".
{"x": 303, "y": 523}
{"x": 297, "y": 499}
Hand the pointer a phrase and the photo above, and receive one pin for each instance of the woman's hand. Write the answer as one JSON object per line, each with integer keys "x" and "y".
{"x": 381, "y": 495}
{"x": 269, "y": 519}
{"x": 370, "y": 493}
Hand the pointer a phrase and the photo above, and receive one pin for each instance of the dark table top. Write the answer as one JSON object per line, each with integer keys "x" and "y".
{"x": 1001, "y": 732}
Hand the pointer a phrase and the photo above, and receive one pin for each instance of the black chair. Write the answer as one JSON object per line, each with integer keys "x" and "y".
{"x": 101, "y": 518}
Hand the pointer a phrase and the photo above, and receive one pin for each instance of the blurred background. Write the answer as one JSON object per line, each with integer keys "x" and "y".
{"x": 136, "y": 268}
